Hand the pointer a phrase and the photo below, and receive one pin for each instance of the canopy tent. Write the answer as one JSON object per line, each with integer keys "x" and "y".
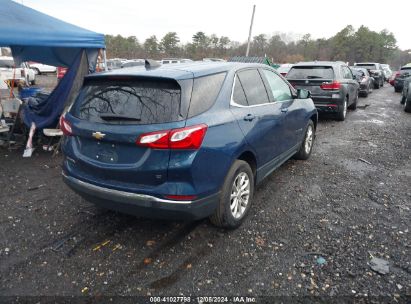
{"x": 35, "y": 36}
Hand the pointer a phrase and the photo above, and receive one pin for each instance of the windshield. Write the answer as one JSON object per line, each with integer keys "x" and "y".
{"x": 367, "y": 66}
{"x": 311, "y": 72}
{"x": 6, "y": 63}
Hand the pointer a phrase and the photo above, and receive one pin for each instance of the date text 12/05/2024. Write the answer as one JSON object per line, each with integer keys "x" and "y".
{"x": 203, "y": 299}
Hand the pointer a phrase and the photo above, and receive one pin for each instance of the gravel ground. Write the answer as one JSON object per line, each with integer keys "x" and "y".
{"x": 313, "y": 230}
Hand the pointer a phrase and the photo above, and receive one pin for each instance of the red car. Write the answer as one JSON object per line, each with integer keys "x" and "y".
{"x": 392, "y": 78}
{"x": 61, "y": 72}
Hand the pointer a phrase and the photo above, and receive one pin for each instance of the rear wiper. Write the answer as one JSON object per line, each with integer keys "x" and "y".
{"x": 313, "y": 77}
{"x": 118, "y": 117}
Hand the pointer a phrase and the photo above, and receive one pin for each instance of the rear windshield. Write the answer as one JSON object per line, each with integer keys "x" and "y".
{"x": 311, "y": 72}
{"x": 405, "y": 71}
{"x": 129, "y": 102}
{"x": 367, "y": 66}
{"x": 6, "y": 63}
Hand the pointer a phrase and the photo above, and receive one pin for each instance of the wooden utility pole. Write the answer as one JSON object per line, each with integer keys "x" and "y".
{"x": 251, "y": 29}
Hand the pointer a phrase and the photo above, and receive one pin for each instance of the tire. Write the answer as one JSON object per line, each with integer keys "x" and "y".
{"x": 407, "y": 104}
{"x": 224, "y": 216}
{"x": 354, "y": 105}
{"x": 397, "y": 90}
{"x": 377, "y": 85}
{"x": 33, "y": 82}
{"x": 308, "y": 142}
{"x": 365, "y": 94}
{"x": 343, "y": 112}
{"x": 403, "y": 98}
{"x": 382, "y": 83}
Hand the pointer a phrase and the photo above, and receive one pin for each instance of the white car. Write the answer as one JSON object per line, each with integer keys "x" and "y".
{"x": 40, "y": 68}
{"x": 8, "y": 71}
{"x": 175, "y": 60}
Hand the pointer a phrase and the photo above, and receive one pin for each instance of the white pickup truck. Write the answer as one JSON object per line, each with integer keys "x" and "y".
{"x": 8, "y": 71}
{"x": 40, "y": 68}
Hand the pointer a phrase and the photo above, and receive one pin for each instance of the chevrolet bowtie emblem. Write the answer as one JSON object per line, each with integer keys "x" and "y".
{"x": 98, "y": 135}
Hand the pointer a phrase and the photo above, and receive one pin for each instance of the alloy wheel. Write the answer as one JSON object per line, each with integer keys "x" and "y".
{"x": 309, "y": 139}
{"x": 345, "y": 108}
{"x": 240, "y": 195}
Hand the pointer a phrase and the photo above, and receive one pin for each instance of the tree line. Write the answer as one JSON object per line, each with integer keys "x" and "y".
{"x": 348, "y": 45}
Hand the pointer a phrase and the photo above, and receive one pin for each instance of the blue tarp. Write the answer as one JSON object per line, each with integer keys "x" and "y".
{"x": 46, "y": 113}
{"x": 34, "y": 36}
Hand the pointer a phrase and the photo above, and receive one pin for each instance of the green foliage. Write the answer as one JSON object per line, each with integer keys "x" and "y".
{"x": 347, "y": 45}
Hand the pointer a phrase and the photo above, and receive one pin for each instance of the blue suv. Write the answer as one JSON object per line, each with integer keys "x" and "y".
{"x": 183, "y": 141}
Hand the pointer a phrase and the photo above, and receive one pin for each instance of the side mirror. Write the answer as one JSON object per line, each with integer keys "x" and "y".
{"x": 303, "y": 94}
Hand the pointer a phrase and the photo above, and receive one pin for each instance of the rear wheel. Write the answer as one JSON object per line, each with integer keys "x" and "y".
{"x": 307, "y": 144}
{"x": 403, "y": 98}
{"x": 377, "y": 84}
{"x": 343, "y": 112}
{"x": 407, "y": 104}
{"x": 354, "y": 105}
{"x": 236, "y": 197}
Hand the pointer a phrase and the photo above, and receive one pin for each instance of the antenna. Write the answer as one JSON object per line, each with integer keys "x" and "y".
{"x": 251, "y": 29}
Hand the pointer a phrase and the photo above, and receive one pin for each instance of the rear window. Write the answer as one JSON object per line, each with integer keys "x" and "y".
{"x": 367, "y": 66}
{"x": 6, "y": 63}
{"x": 311, "y": 72}
{"x": 129, "y": 102}
{"x": 205, "y": 92}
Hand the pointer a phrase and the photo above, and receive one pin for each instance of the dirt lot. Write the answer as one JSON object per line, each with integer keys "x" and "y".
{"x": 313, "y": 229}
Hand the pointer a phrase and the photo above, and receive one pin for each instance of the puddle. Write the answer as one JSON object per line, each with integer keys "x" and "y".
{"x": 376, "y": 121}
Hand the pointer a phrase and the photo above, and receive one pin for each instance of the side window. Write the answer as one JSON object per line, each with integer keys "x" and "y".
{"x": 347, "y": 73}
{"x": 238, "y": 93}
{"x": 281, "y": 90}
{"x": 205, "y": 92}
{"x": 253, "y": 86}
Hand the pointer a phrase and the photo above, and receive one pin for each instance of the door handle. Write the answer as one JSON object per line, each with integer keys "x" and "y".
{"x": 284, "y": 110}
{"x": 249, "y": 117}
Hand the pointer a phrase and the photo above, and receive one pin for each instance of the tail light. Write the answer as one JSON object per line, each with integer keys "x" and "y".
{"x": 184, "y": 138}
{"x": 335, "y": 85}
{"x": 283, "y": 74}
{"x": 65, "y": 126}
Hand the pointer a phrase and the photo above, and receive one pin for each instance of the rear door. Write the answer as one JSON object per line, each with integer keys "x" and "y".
{"x": 352, "y": 85}
{"x": 110, "y": 115}
{"x": 260, "y": 119}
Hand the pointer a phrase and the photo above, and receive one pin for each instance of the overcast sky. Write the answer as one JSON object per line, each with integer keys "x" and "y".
{"x": 142, "y": 19}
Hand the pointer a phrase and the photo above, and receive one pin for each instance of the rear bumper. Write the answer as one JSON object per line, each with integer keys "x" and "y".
{"x": 141, "y": 204}
{"x": 327, "y": 104}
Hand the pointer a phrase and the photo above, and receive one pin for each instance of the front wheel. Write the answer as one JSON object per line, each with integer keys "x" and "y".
{"x": 236, "y": 197}
{"x": 307, "y": 144}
